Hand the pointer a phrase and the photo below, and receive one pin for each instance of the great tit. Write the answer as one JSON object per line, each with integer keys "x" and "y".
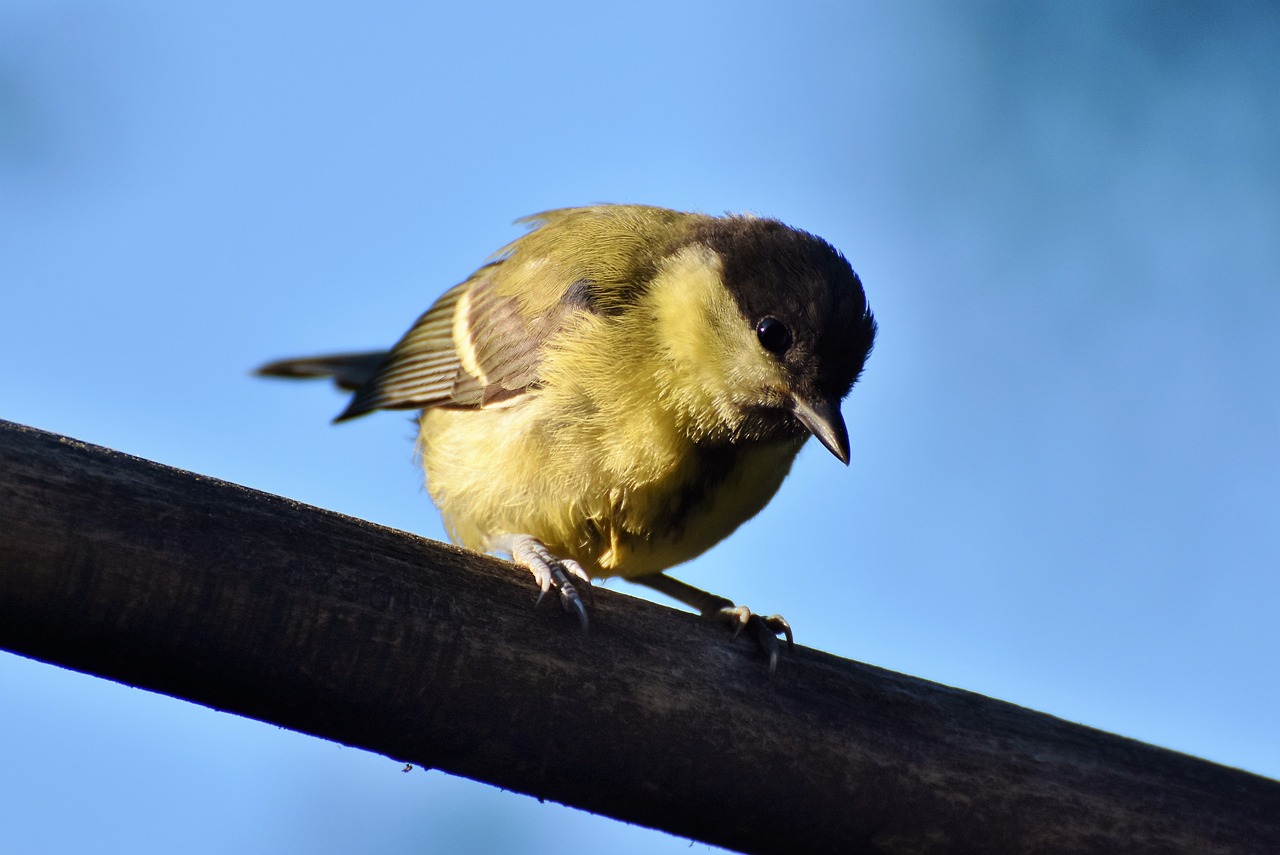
{"x": 620, "y": 388}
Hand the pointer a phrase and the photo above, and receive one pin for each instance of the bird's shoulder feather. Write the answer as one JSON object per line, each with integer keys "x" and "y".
{"x": 482, "y": 343}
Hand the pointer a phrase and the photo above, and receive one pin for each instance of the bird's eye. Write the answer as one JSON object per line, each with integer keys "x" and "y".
{"x": 774, "y": 335}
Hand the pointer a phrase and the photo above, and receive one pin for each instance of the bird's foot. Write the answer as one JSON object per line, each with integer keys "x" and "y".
{"x": 763, "y": 631}
{"x": 552, "y": 572}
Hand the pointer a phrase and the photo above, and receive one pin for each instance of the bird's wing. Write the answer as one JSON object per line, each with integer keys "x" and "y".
{"x": 474, "y": 348}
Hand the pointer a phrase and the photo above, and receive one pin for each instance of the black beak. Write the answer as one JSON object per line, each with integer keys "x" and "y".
{"x": 824, "y": 421}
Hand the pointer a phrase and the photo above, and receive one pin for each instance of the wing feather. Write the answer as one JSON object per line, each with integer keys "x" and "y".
{"x": 475, "y": 347}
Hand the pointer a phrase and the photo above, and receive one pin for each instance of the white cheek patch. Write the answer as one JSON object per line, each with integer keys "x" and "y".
{"x": 703, "y": 330}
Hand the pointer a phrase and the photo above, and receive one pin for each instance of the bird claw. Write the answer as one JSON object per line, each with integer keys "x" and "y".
{"x": 559, "y": 571}
{"x": 763, "y": 631}
{"x": 552, "y": 572}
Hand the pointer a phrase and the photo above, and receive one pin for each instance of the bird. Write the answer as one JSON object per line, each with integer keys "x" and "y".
{"x": 618, "y": 389}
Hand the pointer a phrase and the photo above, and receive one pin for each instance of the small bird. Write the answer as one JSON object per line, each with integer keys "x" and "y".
{"x": 617, "y": 390}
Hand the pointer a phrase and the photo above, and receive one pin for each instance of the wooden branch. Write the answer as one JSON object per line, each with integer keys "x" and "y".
{"x": 258, "y": 605}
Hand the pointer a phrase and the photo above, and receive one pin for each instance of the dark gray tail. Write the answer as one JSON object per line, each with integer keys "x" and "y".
{"x": 349, "y": 371}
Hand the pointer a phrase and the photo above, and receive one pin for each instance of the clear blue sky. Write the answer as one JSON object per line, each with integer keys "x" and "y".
{"x": 1065, "y": 489}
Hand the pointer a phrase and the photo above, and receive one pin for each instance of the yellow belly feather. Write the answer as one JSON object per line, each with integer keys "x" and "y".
{"x": 522, "y": 474}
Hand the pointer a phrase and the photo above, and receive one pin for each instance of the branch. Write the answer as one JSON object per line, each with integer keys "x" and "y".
{"x": 335, "y": 627}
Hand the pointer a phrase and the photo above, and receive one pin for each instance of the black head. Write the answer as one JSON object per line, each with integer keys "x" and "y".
{"x": 803, "y": 299}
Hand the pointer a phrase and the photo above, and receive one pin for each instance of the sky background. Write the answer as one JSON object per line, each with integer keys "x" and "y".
{"x": 1066, "y": 447}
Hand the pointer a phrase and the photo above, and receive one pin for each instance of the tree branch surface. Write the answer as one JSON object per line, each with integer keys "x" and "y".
{"x": 264, "y": 607}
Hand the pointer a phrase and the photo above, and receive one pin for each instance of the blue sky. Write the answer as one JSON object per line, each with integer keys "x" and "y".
{"x": 1066, "y": 447}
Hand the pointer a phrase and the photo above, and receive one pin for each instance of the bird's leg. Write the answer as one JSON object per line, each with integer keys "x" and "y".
{"x": 762, "y": 630}
{"x": 548, "y": 571}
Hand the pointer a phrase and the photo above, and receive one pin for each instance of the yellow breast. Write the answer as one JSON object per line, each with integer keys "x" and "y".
{"x": 513, "y": 470}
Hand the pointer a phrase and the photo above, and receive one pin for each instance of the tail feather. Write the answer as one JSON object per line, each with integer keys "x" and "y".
{"x": 348, "y": 371}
